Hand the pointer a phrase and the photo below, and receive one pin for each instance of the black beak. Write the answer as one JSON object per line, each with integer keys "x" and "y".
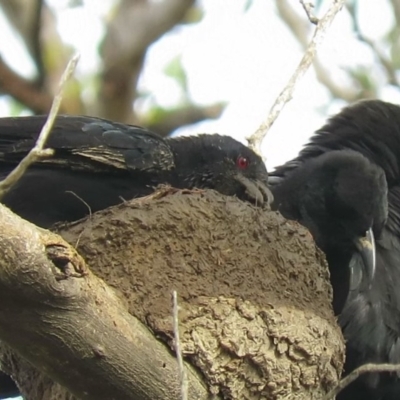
{"x": 366, "y": 247}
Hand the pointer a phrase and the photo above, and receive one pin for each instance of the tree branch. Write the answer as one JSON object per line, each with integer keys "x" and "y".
{"x": 299, "y": 29}
{"x": 36, "y": 25}
{"x": 123, "y": 53}
{"x": 255, "y": 140}
{"x": 25, "y": 17}
{"x": 357, "y": 373}
{"x": 23, "y": 90}
{"x": 89, "y": 343}
{"x": 308, "y": 9}
{"x": 378, "y": 53}
{"x": 167, "y": 121}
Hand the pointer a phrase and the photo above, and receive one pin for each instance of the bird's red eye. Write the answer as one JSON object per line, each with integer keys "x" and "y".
{"x": 242, "y": 162}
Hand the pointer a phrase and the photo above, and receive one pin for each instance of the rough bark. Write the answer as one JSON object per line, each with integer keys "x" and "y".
{"x": 255, "y": 317}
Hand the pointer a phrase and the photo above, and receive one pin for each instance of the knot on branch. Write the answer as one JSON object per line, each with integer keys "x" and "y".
{"x": 68, "y": 263}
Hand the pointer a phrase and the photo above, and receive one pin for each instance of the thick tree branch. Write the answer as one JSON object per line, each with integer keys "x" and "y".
{"x": 255, "y": 140}
{"x": 164, "y": 123}
{"x": 36, "y": 25}
{"x": 25, "y": 17}
{"x": 123, "y": 51}
{"x": 83, "y": 336}
{"x": 23, "y": 90}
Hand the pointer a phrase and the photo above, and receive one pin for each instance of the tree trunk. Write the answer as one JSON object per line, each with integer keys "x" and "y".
{"x": 254, "y": 295}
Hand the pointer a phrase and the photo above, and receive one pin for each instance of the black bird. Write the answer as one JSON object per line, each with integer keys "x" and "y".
{"x": 345, "y": 185}
{"x": 99, "y": 163}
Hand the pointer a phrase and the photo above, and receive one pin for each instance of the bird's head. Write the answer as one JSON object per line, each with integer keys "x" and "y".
{"x": 223, "y": 164}
{"x": 342, "y": 200}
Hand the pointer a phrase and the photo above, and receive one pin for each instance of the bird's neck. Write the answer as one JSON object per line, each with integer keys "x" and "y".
{"x": 191, "y": 169}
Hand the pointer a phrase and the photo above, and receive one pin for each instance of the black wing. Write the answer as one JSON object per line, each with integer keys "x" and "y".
{"x": 96, "y": 164}
{"x": 86, "y": 143}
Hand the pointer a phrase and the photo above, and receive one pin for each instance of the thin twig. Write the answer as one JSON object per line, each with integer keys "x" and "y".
{"x": 38, "y": 151}
{"x": 182, "y": 371}
{"x": 359, "y": 371}
{"x": 255, "y": 140}
{"x": 308, "y": 9}
{"x": 300, "y": 30}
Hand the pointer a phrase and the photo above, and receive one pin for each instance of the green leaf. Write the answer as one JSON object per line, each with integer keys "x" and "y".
{"x": 362, "y": 76}
{"x": 176, "y": 71}
{"x": 16, "y": 108}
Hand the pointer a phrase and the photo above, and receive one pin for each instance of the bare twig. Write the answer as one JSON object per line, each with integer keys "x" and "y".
{"x": 182, "y": 371}
{"x": 299, "y": 28}
{"x": 359, "y": 371}
{"x": 308, "y": 9}
{"x": 255, "y": 140}
{"x": 37, "y": 151}
{"x": 81, "y": 200}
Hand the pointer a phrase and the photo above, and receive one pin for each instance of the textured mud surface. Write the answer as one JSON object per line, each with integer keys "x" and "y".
{"x": 203, "y": 245}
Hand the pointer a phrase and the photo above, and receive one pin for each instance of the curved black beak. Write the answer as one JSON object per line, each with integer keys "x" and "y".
{"x": 366, "y": 247}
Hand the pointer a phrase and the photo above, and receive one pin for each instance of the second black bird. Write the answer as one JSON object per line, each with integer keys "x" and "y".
{"x": 345, "y": 187}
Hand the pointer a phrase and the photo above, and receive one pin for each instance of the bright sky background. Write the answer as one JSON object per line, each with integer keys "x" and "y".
{"x": 244, "y": 58}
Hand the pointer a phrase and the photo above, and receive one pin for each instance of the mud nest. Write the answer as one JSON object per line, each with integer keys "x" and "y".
{"x": 254, "y": 295}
